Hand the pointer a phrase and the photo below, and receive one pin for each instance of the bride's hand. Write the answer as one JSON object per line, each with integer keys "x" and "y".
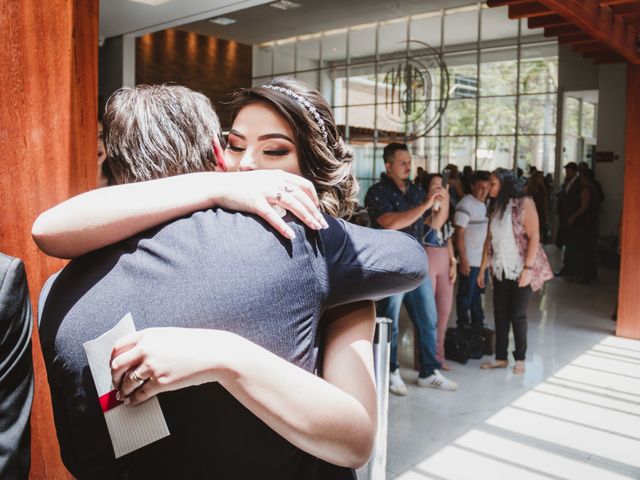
{"x": 262, "y": 191}
{"x": 157, "y": 360}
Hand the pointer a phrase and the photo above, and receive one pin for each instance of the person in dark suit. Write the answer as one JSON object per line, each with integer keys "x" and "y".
{"x": 255, "y": 344}
{"x": 16, "y": 370}
{"x": 568, "y": 205}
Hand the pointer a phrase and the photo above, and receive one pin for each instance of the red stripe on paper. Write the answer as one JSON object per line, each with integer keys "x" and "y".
{"x": 109, "y": 401}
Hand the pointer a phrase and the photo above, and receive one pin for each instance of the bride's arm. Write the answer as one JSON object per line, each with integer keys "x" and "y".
{"x": 333, "y": 418}
{"x": 104, "y": 216}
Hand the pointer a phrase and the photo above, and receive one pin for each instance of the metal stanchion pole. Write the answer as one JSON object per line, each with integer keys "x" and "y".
{"x": 376, "y": 469}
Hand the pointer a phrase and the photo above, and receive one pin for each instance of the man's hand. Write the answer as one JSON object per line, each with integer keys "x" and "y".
{"x": 481, "y": 283}
{"x": 263, "y": 192}
{"x": 465, "y": 268}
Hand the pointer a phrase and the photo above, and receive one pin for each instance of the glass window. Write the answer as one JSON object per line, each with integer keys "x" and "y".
{"x": 493, "y": 117}
{"x": 362, "y": 44}
{"x": 284, "y": 58}
{"x": 308, "y": 53}
{"x": 496, "y": 25}
{"x": 361, "y": 121}
{"x": 334, "y": 47}
{"x": 571, "y": 116}
{"x": 392, "y": 38}
{"x": 363, "y": 159}
{"x": 425, "y": 151}
{"x": 362, "y": 88}
{"x": 499, "y": 72}
{"x": 426, "y": 29}
{"x": 463, "y": 75}
{"x": 538, "y": 151}
{"x": 588, "y": 120}
{"x": 461, "y": 29}
{"x": 338, "y": 96}
{"x": 539, "y": 69}
{"x": 340, "y": 116}
{"x": 495, "y": 152}
{"x": 388, "y": 122}
{"x": 537, "y": 114}
{"x": 262, "y": 58}
{"x": 460, "y": 118}
{"x": 458, "y": 151}
{"x": 497, "y": 116}
{"x": 311, "y": 77}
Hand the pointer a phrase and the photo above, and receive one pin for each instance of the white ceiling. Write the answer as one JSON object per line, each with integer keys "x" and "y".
{"x": 118, "y": 17}
{"x": 257, "y": 22}
{"x": 264, "y": 23}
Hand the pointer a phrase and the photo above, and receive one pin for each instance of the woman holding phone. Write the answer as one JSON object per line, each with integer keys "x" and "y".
{"x": 442, "y": 260}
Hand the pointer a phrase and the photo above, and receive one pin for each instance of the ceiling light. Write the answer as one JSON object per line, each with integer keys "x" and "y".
{"x": 284, "y": 5}
{"x": 223, "y": 20}
{"x": 153, "y": 3}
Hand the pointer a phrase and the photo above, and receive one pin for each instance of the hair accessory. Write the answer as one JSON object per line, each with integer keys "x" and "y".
{"x": 307, "y": 105}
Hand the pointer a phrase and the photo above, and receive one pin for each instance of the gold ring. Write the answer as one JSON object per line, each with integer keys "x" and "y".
{"x": 136, "y": 377}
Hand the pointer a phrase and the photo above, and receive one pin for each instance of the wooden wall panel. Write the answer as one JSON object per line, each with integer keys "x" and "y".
{"x": 629, "y": 298}
{"x": 48, "y": 111}
{"x": 206, "y": 64}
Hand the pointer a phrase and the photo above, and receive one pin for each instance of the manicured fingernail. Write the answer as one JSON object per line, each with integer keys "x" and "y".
{"x": 324, "y": 222}
{"x": 126, "y": 400}
{"x": 290, "y": 234}
{"x": 118, "y": 396}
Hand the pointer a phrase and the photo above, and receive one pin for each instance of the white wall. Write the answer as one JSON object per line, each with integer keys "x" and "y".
{"x": 611, "y": 138}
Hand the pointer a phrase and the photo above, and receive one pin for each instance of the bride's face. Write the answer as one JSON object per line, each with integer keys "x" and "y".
{"x": 260, "y": 139}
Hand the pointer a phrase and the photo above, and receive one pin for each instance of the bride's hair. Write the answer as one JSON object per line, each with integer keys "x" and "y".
{"x": 325, "y": 159}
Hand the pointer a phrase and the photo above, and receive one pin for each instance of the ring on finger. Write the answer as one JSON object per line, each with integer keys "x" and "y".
{"x": 278, "y": 198}
{"x": 289, "y": 188}
{"x": 136, "y": 377}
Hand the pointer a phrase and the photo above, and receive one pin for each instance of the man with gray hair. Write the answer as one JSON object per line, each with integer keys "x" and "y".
{"x": 193, "y": 273}
{"x": 157, "y": 131}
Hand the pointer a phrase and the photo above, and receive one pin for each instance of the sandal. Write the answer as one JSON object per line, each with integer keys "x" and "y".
{"x": 496, "y": 364}
{"x": 518, "y": 369}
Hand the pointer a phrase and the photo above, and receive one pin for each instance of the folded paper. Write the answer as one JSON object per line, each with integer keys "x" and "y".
{"x": 130, "y": 427}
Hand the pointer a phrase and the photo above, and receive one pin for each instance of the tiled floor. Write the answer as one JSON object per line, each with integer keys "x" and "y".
{"x": 575, "y": 414}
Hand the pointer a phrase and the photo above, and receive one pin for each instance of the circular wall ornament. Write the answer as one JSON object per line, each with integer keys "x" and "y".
{"x": 416, "y": 88}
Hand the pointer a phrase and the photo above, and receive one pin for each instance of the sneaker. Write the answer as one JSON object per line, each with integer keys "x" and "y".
{"x": 437, "y": 380}
{"x": 396, "y": 385}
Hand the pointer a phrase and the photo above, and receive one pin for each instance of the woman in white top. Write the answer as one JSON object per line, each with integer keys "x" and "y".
{"x": 518, "y": 265}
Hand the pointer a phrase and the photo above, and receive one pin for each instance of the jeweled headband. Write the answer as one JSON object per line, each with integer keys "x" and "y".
{"x": 307, "y": 105}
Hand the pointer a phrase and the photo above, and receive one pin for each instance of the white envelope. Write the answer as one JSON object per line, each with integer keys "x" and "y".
{"x": 131, "y": 427}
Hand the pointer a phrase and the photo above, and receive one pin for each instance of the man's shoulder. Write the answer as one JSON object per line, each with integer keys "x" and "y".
{"x": 377, "y": 188}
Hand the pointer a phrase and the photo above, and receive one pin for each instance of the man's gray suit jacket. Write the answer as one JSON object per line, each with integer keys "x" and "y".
{"x": 219, "y": 270}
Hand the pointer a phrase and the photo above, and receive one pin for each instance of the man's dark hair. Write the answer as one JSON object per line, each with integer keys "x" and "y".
{"x": 391, "y": 149}
{"x": 480, "y": 176}
{"x": 156, "y": 131}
